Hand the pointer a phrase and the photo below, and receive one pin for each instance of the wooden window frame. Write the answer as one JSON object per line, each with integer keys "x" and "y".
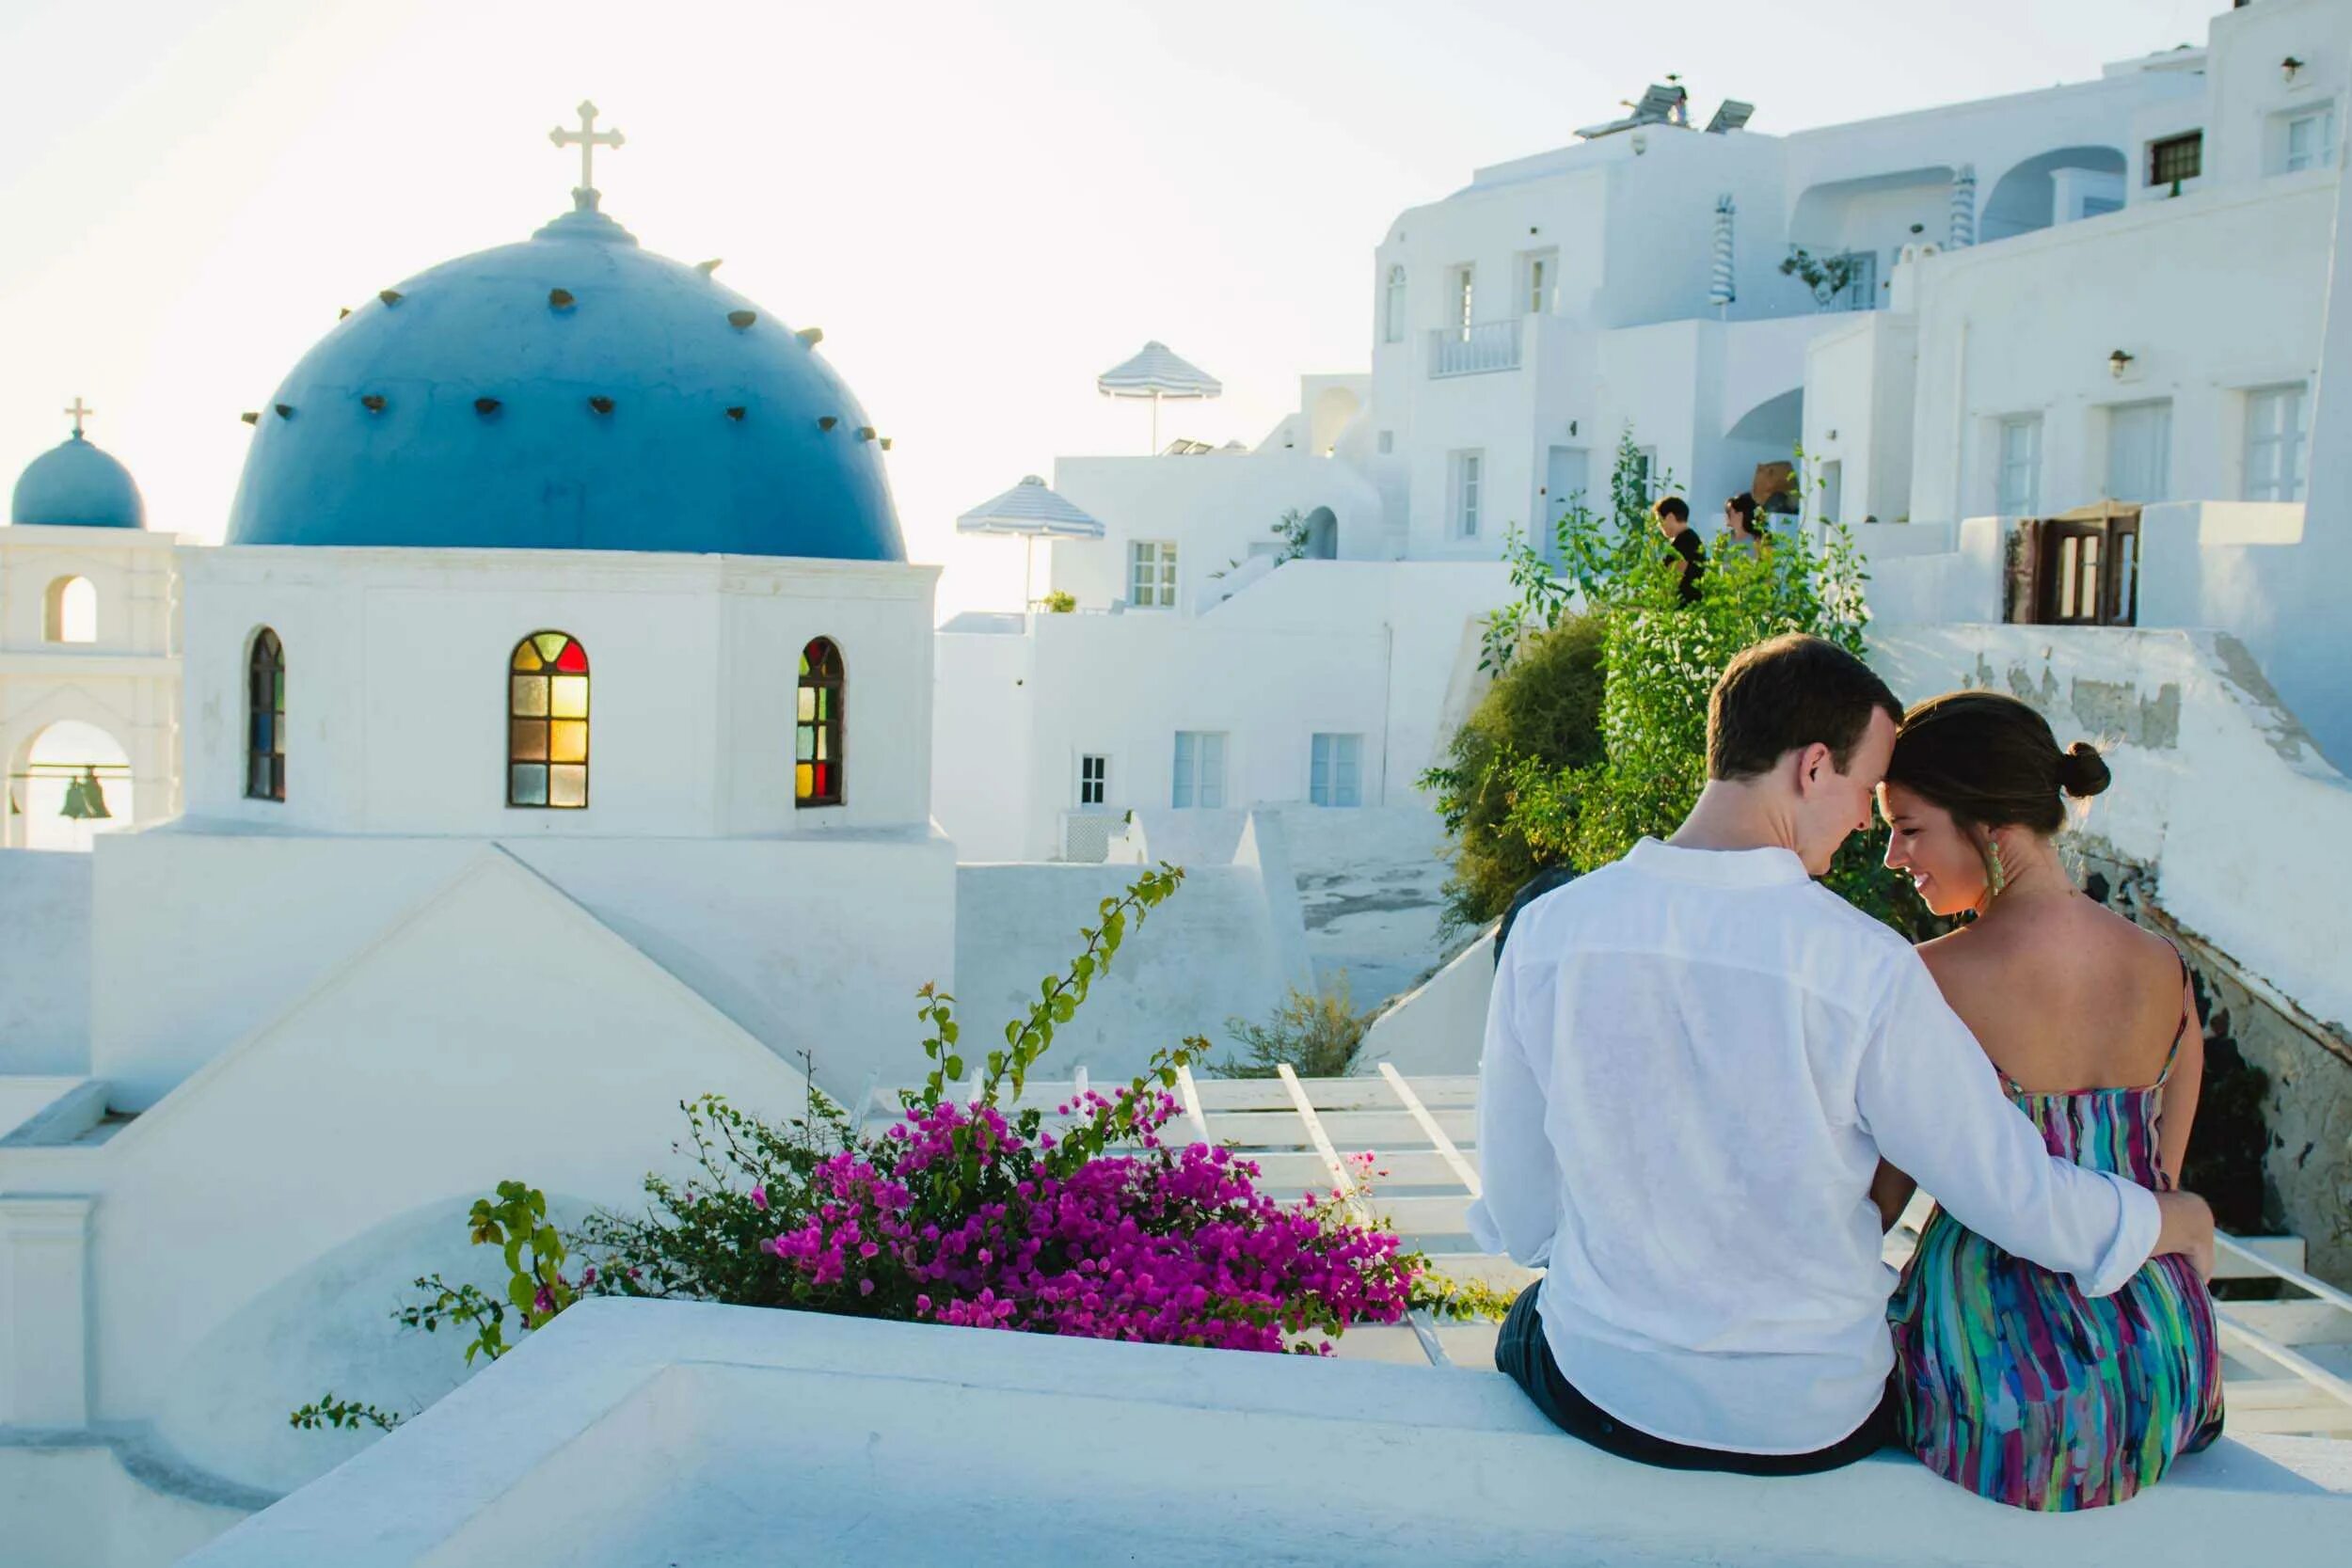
{"x": 2086, "y": 570}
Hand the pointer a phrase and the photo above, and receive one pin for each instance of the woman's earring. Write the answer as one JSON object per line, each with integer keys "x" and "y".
{"x": 1995, "y": 874}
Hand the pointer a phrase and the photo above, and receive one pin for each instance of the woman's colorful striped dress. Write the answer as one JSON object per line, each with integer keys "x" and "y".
{"x": 2016, "y": 1385}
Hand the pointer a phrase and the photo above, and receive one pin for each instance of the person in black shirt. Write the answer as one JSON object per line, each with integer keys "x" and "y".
{"x": 1674, "y": 520}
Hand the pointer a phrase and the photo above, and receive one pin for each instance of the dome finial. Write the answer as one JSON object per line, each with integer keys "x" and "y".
{"x": 587, "y": 138}
{"x": 79, "y": 413}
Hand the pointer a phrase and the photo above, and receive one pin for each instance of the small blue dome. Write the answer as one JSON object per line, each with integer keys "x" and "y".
{"x": 75, "y": 485}
{"x": 573, "y": 391}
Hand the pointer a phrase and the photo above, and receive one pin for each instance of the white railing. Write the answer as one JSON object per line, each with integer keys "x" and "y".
{"x": 1476, "y": 349}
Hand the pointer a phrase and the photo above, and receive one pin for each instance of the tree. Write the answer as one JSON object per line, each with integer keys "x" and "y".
{"x": 1659, "y": 659}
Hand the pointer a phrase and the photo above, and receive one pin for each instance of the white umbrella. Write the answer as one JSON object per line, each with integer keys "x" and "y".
{"x": 1157, "y": 372}
{"x": 1032, "y": 512}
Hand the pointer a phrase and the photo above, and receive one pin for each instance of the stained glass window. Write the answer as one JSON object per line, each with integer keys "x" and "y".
{"x": 817, "y": 727}
{"x": 547, "y": 722}
{"x": 266, "y": 719}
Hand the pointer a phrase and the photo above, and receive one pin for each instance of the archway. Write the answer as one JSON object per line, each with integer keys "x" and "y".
{"x": 68, "y": 611}
{"x": 1323, "y": 535}
{"x": 1766, "y": 434}
{"x": 2052, "y": 187}
{"x": 69, "y": 762}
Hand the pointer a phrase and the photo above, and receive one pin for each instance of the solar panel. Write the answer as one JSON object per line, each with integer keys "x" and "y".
{"x": 1730, "y": 115}
{"x": 1658, "y": 103}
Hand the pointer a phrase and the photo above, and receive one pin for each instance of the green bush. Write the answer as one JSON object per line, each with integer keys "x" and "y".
{"x": 1542, "y": 716}
{"x": 1316, "y": 1033}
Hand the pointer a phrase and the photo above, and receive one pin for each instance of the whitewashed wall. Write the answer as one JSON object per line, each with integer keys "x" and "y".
{"x": 1860, "y": 378}
{"x": 2249, "y": 95}
{"x": 1375, "y": 649}
{"x": 251, "y": 1233}
{"x": 2000, "y": 335}
{"x": 396, "y": 665}
{"x": 44, "y": 962}
{"x": 1213, "y": 952}
{"x": 129, "y": 570}
{"x": 1217, "y": 508}
{"x": 812, "y": 945}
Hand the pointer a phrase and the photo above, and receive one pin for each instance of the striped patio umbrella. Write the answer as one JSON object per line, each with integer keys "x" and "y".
{"x": 1962, "y": 230}
{"x": 1157, "y": 372}
{"x": 1029, "y": 511}
{"x": 1720, "y": 291}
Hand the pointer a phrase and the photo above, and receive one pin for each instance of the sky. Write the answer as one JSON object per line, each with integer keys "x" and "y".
{"x": 984, "y": 204}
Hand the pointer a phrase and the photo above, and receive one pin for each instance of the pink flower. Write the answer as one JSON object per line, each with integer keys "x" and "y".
{"x": 759, "y": 1196}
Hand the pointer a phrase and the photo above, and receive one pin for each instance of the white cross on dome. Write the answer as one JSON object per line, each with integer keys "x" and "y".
{"x": 587, "y": 138}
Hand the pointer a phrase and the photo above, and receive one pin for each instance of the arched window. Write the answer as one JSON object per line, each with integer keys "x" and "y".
{"x": 266, "y": 719}
{"x": 817, "y": 730}
{"x": 547, "y": 722}
{"x": 1395, "y": 306}
{"x": 70, "y": 612}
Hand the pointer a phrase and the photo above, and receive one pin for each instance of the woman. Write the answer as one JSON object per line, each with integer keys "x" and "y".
{"x": 1740, "y": 530}
{"x": 2009, "y": 1380}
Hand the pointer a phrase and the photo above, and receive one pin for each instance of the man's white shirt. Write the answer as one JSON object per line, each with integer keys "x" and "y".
{"x": 1694, "y": 1062}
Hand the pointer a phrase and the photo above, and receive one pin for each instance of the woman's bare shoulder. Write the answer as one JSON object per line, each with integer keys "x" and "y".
{"x": 2152, "y": 957}
{"x": 1952, "y": 956}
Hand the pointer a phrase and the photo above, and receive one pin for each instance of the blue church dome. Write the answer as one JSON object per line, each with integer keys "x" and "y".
{"x": 78, "y": 485}
{"x": 574, "y": 392}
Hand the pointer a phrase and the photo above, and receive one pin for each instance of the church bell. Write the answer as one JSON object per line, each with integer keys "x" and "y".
{"x": 84, "y": 798}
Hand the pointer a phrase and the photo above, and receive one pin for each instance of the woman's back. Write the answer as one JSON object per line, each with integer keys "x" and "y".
{"x": 2065, "y": 994}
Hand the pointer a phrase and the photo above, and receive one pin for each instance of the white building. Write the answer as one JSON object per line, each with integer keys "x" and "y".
{"x": 2166, "y": 356}
{"x": 1992, "y": 260}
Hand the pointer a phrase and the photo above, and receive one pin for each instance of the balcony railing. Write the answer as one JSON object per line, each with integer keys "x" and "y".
{"x": 1476, "y": 349}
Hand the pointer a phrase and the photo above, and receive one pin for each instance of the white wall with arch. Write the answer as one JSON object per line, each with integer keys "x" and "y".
{"x": 89, "y": 677}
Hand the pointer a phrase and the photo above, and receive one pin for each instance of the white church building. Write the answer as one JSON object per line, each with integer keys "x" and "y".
{"x": 88, "y": 641}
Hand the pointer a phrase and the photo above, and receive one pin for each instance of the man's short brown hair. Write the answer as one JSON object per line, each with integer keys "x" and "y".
{"x": 1784, "y": 694}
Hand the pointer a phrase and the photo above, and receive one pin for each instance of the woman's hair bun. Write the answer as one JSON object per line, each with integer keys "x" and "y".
{"x": 2082, "y": 771}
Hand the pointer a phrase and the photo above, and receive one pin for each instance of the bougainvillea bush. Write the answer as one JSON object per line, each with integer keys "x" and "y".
{"x": 1089, "y": 1222}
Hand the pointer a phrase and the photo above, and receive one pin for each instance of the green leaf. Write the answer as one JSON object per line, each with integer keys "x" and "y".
{"x": 954, "y": 1068}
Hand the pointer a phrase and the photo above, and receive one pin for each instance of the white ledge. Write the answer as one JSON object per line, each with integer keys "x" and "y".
{"x": 638, "y": 1432}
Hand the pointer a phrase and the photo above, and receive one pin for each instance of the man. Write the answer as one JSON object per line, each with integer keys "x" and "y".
{"x": 1674, "y": 520}
{"x": 1695, "y": 1060}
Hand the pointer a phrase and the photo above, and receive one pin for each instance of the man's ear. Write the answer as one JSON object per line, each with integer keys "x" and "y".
{"x": 1815, "y": 763}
